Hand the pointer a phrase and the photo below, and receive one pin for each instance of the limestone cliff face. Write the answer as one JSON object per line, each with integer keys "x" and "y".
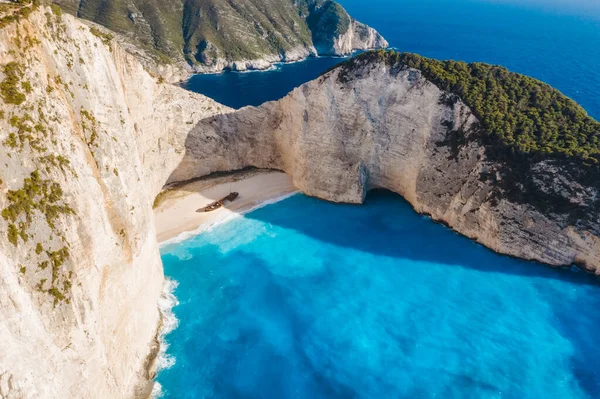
{"x": 335, "y": 32}
{"x": 364, "y": 37}
{"x": 358, "y": 37}
{"x": 393, "y": 129}
{"x": 87, "y": 139}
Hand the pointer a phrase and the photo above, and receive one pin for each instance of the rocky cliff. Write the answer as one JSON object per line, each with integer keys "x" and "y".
{"x": 335, "y": 32}
{"x": 87, "y": 139}
{"x": 381, "y": 125}
{"x": 212, "y": 35}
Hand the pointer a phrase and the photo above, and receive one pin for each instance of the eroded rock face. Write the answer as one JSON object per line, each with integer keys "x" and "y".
{"x": 358, "y": 37}
{"x": 87, "y": 140}
{"x": 393, "y": 129}
{"x": 335, "y": 32}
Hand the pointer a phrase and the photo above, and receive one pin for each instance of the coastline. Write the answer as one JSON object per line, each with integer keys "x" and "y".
{"x": 168, "y": 322}
{"x": 266, "y": 65}
{"x": 175, "y": 207}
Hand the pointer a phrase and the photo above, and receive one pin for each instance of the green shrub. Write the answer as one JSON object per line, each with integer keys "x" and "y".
{"x": 105, "y": 37}
{"x": 10, "y": 86}
{"x": 27, "y": 87}
{"x": 41, "y": 283}
{"x": 56, "y": 10}
{"x": 37, "y": 194}
{"x": 13, "y": 234}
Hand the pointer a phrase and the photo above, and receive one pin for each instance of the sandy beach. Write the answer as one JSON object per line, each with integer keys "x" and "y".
{"x": 175, "y": 208}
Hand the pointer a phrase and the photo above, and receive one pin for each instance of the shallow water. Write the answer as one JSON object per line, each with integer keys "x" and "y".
{"x": 308, "y": 299}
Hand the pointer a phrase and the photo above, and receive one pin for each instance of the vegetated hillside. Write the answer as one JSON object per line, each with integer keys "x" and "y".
{"x": 242, "y": 29}
{"x": 523, "y": 113}
{"x": 154, "y": 25}
{"x": 203, "y": 31}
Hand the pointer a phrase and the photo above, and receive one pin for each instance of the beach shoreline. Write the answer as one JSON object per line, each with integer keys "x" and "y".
{"x": 175, "y": 207}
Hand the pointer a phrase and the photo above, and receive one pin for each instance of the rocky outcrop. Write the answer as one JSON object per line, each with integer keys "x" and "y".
{"x": 335, "y": 32}
{"x": 87, "y": 139}
{"x": 384, "y": 127}
{"x": 358, "y": 36}
{"x": 363, "y": 37}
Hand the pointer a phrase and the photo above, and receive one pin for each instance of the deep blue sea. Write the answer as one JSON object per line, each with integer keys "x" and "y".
{"x": 557, "y": 41}
{"x": 306, "y": 299}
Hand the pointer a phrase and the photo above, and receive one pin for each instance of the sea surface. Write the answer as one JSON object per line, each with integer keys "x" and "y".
{"x": 557, "y": 41}
{"x": 307, "y": 299}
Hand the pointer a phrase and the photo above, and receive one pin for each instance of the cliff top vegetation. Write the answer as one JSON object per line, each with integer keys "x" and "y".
{"x": 520, "y": 112}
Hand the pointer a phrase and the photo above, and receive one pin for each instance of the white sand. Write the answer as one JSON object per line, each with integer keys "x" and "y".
{"x": 176, "y": 215}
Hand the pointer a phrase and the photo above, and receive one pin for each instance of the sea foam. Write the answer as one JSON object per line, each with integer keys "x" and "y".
{"x": 169, "y": 322}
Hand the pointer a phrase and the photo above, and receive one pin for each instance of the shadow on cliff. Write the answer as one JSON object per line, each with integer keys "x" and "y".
{"x": 395, "y": 230}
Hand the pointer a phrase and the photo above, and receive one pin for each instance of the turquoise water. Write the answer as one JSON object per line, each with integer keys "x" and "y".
{"x": 307, "y": 299}
{"x": 556, "y": 41}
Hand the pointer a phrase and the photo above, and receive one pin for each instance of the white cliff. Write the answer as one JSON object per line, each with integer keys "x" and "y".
{"x": 87, "y": 140}
{"x": 358, "y": 37}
